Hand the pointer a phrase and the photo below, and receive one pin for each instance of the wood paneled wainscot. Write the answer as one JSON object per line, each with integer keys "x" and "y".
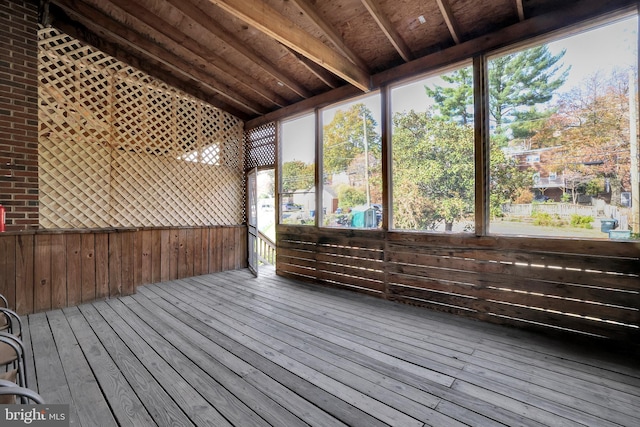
{"x": 586, "y": 287}
{"x": 43, "y": 270}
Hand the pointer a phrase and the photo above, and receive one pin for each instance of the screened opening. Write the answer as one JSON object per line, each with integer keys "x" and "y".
{"x": 563, "y": 125}
{"x": 433, "y": 182}
{"x": 352, "y": 164}
{"x": 562, "y": 133}
{"x": 266, "y": 203}
{"x": 298, "y": 170}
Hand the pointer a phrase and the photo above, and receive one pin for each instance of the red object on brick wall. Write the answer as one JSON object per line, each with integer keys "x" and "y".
{"x": 3, "y": 218}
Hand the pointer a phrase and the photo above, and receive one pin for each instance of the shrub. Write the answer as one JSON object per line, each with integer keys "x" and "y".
{"x": 545, "y": 219}
{"x": 523, "y": 196}
{"x": 581, "y": 221}
{"x": 594, "y": 186}
{"x": 349, "y": 197}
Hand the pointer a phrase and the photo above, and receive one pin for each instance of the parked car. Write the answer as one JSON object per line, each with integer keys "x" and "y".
{"x": 291, "y": 207}
{"x": 541, "y": 198}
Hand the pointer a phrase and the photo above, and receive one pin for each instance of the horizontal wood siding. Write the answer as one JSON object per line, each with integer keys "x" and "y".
{"x": 47, "y": 269}
{"x": 585, "y": 287}
{"x": 350, "y": 259}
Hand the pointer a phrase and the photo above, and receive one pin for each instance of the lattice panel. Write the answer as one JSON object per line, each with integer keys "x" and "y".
{"x": 224, "y": 130}
{"x": 120, "y": 149}
{"x": 76, "y": 196}
{"x": 260, "y": 146}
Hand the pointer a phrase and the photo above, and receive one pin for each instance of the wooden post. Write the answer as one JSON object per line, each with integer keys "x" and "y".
{"x": 633, "y": 142}
{"x": 482, "y": 141}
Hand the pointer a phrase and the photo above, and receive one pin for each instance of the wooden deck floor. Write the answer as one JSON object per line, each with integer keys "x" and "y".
{"x": 228, "y": 349}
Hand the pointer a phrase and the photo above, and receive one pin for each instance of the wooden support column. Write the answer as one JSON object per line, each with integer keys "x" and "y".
{"x": 319, "y": 180}
{"x": 387, "y": 176}
{"x": 481, "y": 137}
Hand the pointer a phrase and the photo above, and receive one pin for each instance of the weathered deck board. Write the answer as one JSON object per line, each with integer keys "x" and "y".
{"x": 230, "y": 349}
{"x": 82, "y": 383}
{"x": 200, "y": 376}
{"x": 187, "y": 398}
{"x": 496, "y": 379}
{"x": 306, "y": 394}
{"x": 31, "y": 368}
{"x": 51, "y": 382}
{"x": 307, "y": 363}
{"x": 156, "y": 400}
{"x": 247, "y": 396}
{"x": 126, "y": 405}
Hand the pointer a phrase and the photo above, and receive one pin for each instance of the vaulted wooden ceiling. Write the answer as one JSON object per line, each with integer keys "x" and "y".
{"x": 253, "y": 57}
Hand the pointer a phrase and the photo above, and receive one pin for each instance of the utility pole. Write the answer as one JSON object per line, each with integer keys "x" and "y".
{"x": 366, "y": 159}
{"x": 633, "y": 142}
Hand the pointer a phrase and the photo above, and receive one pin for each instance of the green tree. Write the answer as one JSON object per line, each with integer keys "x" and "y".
{"x": 506, "y": 180}
{"x": 350, "y": 197}
{"x": 433, "y": 171}
{"x": 518, "y": 82}
{"x": 297, "y": 175}
{"x": 350, "y": 134}
{"x": 344, "y": 138}
{"x": 455, "y": 101}
{"x": 433, "y": 166}
{"x": 528, "y": 124}
{"x": 596, "y": 131}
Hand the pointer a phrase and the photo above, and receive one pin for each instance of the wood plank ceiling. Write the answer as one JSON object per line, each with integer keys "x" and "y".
{"x": 252, "y": 57}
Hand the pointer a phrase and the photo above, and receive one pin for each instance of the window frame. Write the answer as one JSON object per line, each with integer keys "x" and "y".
{"x": 482, "y": 160}
{"x": 439, "y": 71}
{"x": 320, "y": 153}
{"x": 279, "y": 164}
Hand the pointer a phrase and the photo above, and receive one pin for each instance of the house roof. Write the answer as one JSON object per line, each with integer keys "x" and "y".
{"x": 256, "y": 57}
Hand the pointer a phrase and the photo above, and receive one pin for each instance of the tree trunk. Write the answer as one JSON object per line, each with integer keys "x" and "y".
{"x": 448, "y": 226}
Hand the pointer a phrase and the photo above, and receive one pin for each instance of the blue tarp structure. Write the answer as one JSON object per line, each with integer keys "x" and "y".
{"x": 362, "y": 217}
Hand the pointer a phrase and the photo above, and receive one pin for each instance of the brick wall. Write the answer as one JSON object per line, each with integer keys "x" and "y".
{"x": 19, "y": 113}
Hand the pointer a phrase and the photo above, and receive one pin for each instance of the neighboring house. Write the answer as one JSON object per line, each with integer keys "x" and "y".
{"x": 546, "y": 179}
{"x": 307, "y": 199}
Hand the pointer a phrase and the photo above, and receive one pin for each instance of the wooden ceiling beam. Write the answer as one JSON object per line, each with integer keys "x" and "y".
{"x": 305, "y": 106}
{"x": 264, "y": 18}
{"x": 163, "y": 19}
{"x": 323, "y": 75}
{"x": 329, "y": 32}
{"x": 197, "y": 11}
{"x": 389, "y": 31}
{"x": 572, "y": 15}
{"x": 452, "y": 24}
{"x": 101, "y": 24}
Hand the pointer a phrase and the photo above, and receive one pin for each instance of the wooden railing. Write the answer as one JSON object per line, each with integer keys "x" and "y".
{"x": 266, "y": 249}
{"x": 586, "y": 287}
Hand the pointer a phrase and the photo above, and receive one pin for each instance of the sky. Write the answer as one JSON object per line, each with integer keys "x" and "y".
{"x": 298, "y": 139}
{"x": 599, "y": 49}
{"x": 603, "y": 49}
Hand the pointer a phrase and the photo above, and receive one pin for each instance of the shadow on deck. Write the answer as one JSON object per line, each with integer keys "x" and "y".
{"x": 229, "y": 349}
